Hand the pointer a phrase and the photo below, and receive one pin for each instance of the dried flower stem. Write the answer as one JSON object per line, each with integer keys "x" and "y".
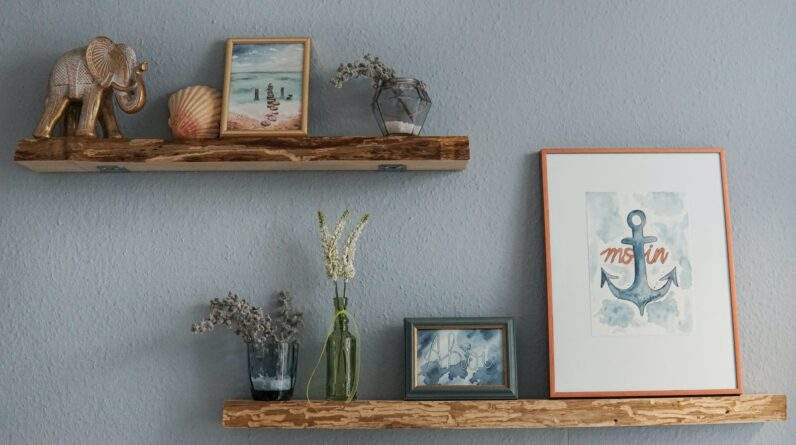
{"x": 340, "y": 267}
{"x": 370, "y": 66}
{"x": 251, "y": 323}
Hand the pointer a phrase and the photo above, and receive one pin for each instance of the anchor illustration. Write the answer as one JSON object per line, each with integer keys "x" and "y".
{"x": 639, "y": 293}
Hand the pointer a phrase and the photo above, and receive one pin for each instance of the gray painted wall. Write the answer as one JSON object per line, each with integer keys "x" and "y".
{"x": 101, "y": 275}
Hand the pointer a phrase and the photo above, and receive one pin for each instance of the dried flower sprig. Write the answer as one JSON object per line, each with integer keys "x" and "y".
{"x": 350, "y": 249}
{"x": 251, "y": 323}
{"x": 369, "y": 66}
{"x": 288, "y": 320}
{"x": 340, "y": 267}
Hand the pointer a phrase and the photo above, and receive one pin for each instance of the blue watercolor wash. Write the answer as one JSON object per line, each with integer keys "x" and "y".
{"x": 662, "y": 312}
{"x": 616, "y": 313}
{"x": 460, "y": 357}
{"x": 605, "y": 205}
{"x": 489, "y": 374}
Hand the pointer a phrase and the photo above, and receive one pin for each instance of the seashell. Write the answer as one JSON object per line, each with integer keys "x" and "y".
{"x": 195, "y": 112}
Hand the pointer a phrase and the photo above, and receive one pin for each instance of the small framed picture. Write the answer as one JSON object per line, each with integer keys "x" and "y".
{"x": 460, "y": 358}
{"x": 640, "y": 279}
{"x": 266, "y": 87}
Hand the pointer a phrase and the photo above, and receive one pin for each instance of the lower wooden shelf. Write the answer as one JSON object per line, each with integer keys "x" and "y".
{"x": 496, "y": 414}
{"x": 393, "y": 153}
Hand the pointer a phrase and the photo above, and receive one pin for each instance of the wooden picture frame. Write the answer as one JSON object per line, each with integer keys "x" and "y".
{"x": 472, "y": 359}
{"x": 250, "y": 120}
{"x": 571, "y": 165}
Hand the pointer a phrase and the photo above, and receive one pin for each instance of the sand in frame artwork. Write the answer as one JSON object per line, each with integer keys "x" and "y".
{"x": 640, "y": 274}
{"x": 266, "y": 84}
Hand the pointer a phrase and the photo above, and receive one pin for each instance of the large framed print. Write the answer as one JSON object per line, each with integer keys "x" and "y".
{"x": 640, "y": 279}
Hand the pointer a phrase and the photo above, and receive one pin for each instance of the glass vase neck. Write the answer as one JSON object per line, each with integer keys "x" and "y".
{"x": 341, "y": 320}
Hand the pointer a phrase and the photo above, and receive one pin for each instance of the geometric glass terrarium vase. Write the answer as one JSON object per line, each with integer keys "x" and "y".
{"x": 400, "y": 106}
{"x": 272, "y": 370}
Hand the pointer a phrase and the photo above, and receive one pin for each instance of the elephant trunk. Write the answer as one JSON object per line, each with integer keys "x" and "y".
{"x": 132, "y": 98}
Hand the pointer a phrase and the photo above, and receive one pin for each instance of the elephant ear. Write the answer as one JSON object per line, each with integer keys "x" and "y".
{"x": 105, "y": 58}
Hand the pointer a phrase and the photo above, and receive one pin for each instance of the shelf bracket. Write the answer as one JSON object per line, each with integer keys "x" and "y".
{"x": 392, "y": 167}
{"x": 112, "y": 169}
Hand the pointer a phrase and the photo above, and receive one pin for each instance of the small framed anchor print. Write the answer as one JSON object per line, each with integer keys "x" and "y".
{"x": 640, "y": 278}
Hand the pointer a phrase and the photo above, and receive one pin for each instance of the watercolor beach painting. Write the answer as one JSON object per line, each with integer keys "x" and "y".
{"x": 644, "y": 294}
{"x": 265, "y": 87}
{"x": 460, "y": 357}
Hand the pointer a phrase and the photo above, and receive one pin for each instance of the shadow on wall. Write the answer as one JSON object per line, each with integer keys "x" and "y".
{"x": 532, "y": 367}
{"x": 205, "y": 67}
{"x": 31, "y": 73}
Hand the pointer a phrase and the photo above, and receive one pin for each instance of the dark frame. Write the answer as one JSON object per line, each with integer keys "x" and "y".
{"x": 460, "y": 392}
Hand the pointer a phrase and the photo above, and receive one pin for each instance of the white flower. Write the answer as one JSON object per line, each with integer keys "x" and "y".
{"x": 338, "y": 267}
{"x": 350, "y": 249}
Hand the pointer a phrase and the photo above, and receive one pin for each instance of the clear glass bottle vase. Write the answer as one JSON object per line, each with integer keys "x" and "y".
{"x": 341, "y": 357}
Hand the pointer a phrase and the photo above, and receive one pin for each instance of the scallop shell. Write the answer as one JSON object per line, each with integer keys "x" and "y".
{"x": 194, "y": 112}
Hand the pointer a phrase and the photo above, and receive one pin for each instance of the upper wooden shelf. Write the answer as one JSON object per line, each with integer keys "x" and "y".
{"x": 391, "y": 153}
{"x": 494, "y": 414}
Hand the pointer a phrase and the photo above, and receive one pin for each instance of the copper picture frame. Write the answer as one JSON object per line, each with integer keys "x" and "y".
{"x": 555, "y": 391}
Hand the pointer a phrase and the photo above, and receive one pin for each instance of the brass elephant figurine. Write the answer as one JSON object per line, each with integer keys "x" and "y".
{"x": 80, "y": 87}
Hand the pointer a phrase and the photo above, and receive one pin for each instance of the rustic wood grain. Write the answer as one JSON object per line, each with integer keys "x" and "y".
{"x": 381, "y": 414}
{"x": 274, "y": 153}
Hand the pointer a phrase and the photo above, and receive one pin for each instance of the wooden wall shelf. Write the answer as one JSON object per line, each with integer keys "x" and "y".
{"x": 393, "y": 153}
{"x": 495, "y": 414}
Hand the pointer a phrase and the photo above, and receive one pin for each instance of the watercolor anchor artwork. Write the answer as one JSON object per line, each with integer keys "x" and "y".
{"x": 639, "y": 293}
{"x": 639, "y": 284}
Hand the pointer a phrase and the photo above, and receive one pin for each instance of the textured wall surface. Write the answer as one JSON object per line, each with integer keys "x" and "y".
{"x": 101, "y": 275}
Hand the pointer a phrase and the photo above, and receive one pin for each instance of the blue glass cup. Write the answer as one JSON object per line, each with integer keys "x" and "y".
{"x": 272, "y": 370}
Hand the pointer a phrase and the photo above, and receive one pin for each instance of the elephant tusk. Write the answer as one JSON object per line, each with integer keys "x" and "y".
{"x": 106, "y": 82}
